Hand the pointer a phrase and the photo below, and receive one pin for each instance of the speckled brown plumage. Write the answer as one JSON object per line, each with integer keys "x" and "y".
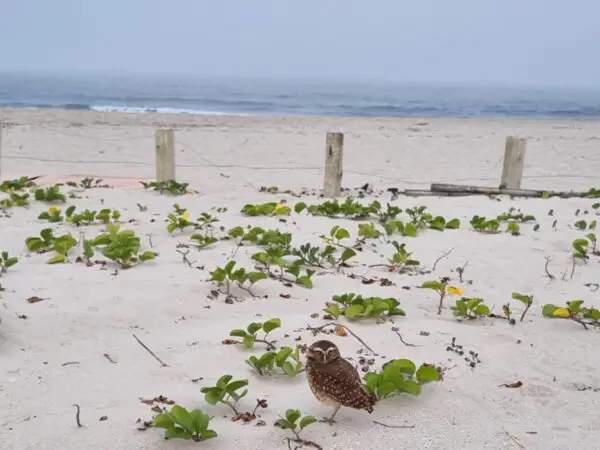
{"x": 333, "y": 380}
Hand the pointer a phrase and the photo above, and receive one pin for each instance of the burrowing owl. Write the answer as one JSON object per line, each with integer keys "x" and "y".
{"x": 334, "y": 381}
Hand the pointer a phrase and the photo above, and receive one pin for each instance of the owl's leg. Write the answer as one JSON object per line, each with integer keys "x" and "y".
{"x": 330, "y": 420}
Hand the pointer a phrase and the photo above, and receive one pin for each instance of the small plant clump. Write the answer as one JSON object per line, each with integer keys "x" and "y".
{"x": 85, "y": 217}
{"x": 50, "y": 194}
{"x": 181, "y": 424}
{"x": 399, "y": 376}
{"x": 443, "y": 289}
{"x": 250, "y": 334}
{"x": 574, "y": 311}
{"x": 47, "y": 242}
{"x": 121, "y": 246}
{"x": 482, "y": 224}
{"x": 6, "y": 262}
{"x": 286, "y": 359}
{"x": 470, "y": 308}
{"x": 355, "y": 307}
{"x": 228, "y": 276}
{"x": 226, "y": 392}
{"x": 266, "y": 209}
{"x": 171, "y": 187}
{"x": 295, "y": 422}
{"x": 15, "y": 199}
{"x": 17, "y": 184}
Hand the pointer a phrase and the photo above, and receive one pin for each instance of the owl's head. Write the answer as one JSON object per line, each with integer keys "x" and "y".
{"x": 323, "y": 352}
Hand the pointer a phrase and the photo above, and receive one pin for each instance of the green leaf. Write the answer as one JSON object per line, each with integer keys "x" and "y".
{"x": 163, "y": 421}
{"x": 208, "y": 434}
{"x": 182, "y": 417}
{"x": 271, "y": 324}
{"x": 410, "y": 230}
{"x": 224, "y": 381}
{"x": 147, "y": 256}
{"x": 10, "y": 262}
{"x": 435, "y": 285}
{"x": 473, "y": 302}
{"x": 354, "y": 311}
{"x": 482, "y": 310}
{"x": 427, "y": 374}
{"x": 236, "y": 232}
{"x": 299, "y": 207}
{"x": 57, "y": 259}
{"x": 212, "y": 395}
{"x": 238, "y": 333}
{"x": 453, "y": 224}
{"x": 177, "y": 433}
{"x": 304, "y": 281}
{"x": 306, "y": 421}
{"x": 248, "y": 341}
{"x": 405, "y": 366}
{"x": 234, "y": 386}
{"x": 200, "y": 420}
{"x": 347, "y": 254}
{"x": 292, "y": 415}
{"x": 286, "y": 425}
{"x": 548, "y": 310}
{"x": 289, "y": 369}
{"x": 254, "y": 327}
{"x": 411, "y": 387}
{"x": 282, "y": 355}
{"x": 342, "y": 233}
{"x": 253, "y": 277}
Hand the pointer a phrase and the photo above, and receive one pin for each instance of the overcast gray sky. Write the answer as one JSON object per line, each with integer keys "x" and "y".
{"x": 537, "y": 42}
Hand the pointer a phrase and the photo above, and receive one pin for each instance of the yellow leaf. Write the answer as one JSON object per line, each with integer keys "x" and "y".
{"x": 561, "y": 312}
{"x": 453, "y": 290}
{"x": 53, "y": 210}
{"x": 282, "y": 210}
{"x": 185, "y": 216}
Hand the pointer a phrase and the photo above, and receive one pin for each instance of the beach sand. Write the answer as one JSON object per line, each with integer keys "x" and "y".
{"x": 52, "y": 353}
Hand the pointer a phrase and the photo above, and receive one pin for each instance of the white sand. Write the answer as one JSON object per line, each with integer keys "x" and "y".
{"x": 88, "y": 312}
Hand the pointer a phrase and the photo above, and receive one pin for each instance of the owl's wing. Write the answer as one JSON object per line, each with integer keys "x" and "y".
{"x": 341, "y": 381}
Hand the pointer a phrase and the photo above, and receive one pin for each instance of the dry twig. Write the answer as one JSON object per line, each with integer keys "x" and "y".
{"x": 440, "y": 258}
{"x": 316, "y": 330}
{"x": 77, "y": 414}
{"x": 162, "y": 363}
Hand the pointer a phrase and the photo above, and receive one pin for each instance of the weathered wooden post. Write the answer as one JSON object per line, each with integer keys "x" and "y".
{"x": 334, "y": 165}
{"x": 514, "y": 159}
{"x": 165, "y": 154}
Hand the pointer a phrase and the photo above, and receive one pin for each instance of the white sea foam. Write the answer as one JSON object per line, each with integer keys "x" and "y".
{"x": 145, "y": 109}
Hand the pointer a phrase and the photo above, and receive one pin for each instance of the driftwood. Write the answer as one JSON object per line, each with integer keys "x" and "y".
{"x": 462, "y": 190}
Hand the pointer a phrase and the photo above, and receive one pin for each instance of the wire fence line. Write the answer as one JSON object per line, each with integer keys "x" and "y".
{"x": 23, "y": 143}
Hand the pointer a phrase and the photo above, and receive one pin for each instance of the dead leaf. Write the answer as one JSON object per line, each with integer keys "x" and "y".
{"x": 159, "y": 399}
{"x": 229, "y": 342}
{"x": 314, "y": 315}
{"x": 368, "y": 281}
{"x": 516, "y": 384}
{"x": 285, "y": 295}
{"x": 340, "y": 331}
{"x": 34, "y": 299}
{"x": 244, "y": 417}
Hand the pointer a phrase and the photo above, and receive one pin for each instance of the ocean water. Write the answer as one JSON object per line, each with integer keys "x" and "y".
{"x": 238, "y": 96}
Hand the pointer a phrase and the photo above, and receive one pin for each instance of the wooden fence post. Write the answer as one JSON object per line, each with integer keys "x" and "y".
{"x": 334, "y": 165}
{"x": 514, "y": 158}
{"x": 165, "y": 154}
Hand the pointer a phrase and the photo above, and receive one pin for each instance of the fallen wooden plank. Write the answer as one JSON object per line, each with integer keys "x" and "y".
{"x": 456, "y": 189}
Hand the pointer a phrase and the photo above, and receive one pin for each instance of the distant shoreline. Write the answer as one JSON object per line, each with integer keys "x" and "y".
{"x": 87, "y": 117}
{"x": 296, "y": 99}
